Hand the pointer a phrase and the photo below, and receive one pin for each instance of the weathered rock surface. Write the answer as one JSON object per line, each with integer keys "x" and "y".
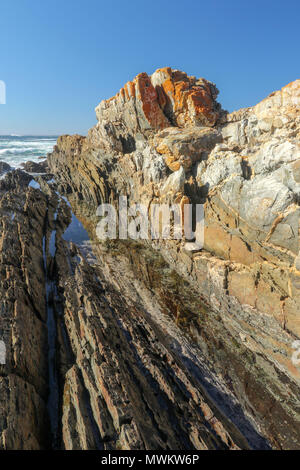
{"x": 116, "y": 378}
{"x": 34, "y": 167}
{"x": 184, "y": 147}
{"x": 127, "y": 375}
{"x": 4, "y": 168}
{"x": 243, "y": 167}
{"x": 151, "y": 103}
{"x": 141, "y": 344}
{"x": 23, "y": 378}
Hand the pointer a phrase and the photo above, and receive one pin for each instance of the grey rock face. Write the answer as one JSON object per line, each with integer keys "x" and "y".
{"x": 33, "y": 167}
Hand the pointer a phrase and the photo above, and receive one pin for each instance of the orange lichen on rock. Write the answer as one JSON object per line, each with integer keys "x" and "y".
{"x": 186, "y": 99}
{"x": 150, "y": 103}
{"x": 130, "y": 90}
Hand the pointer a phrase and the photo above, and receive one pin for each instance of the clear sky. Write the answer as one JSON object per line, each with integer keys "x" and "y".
{"x": 59, "y": 59}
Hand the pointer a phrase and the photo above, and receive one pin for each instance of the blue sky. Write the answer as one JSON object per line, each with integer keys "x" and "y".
{"x": 59, "y": 59}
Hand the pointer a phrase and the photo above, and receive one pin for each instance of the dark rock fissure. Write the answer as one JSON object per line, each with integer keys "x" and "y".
{"x": 50, "y": 288}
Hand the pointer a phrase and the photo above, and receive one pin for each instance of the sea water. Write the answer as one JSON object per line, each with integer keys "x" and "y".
{"x": 16, "y": 150}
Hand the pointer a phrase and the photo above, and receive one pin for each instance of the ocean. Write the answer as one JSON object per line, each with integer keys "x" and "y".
{"x": 16, "y": 150}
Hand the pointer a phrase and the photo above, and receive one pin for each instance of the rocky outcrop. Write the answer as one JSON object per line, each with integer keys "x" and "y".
{"x": 4, "y": 167}
{"x": 128, "y": 387}
{"x": 143, "y": 344}
{"x": 35, "y": 167}
{"x": 243, "y": 167}
{"x": 91, "y": 364}
{"x": 148, "y": 104}
{"x": 254, "y": 204}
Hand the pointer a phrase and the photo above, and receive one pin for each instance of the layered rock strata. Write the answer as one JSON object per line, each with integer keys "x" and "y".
{"x": 91, "y": 364}
{"x": 142, "y": 344}
{"x": 243, "y": 167}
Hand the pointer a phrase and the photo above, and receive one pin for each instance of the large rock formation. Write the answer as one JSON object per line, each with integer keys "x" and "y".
{"x": 141, "y": 344}
{"x": 165, "y": 139}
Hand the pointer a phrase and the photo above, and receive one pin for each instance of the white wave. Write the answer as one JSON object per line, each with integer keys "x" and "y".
{"x": 17, "y": 151}
{"x": 13, "y": 150}
{"x": 13, "y": 145}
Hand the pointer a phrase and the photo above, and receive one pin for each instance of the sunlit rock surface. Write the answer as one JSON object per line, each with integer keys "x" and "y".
{"x": 154, "y": 347}
{"x": 244, "y": 168}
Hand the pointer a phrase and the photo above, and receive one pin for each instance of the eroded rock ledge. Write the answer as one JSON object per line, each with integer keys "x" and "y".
{"x": 122, "y": 374}
{"x": 158, "y": 348}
